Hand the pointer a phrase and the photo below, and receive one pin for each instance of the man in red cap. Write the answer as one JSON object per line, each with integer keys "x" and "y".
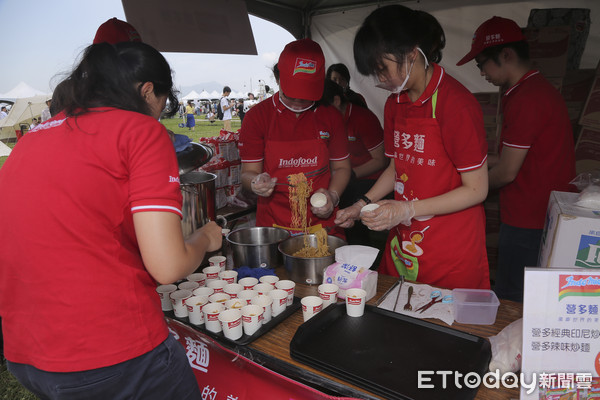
{"x": 287, "y": 134}
{"x": 536, "y": 151}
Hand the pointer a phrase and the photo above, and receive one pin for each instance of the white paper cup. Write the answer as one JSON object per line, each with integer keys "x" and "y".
{"x": 252, "y": 316}
{"x": 197, "y": 277}
{"x": 218, "y": 297}
{"x": 265, "y": 302}
{"x": 318, "y": 199}
{"x": 194, "y": 305}
{"x": 328, "y": 292}
{"x": 289, "y": 287}
{"x": 231, "y": 322}
{"x": 272, "y": 279}
{"x": 233, "y": 289}
{"x": 203, "y": 291}
{"x": 369, "y": 207}
{"x": 311, "y": 305}
{"x": 355, "y": 302}
{"x": 188, "y": 285}
{"x": 218, "y": 261}
{"x": 235, "y": 303}
{"x": 211, "y": 313}
{"x": 248, "y": 282}
{"x": 247, "y": 294}
{"x": 217, "y": 285}
{"x": 178, "y": 299}
{"x": 263, "y": 288}
{"x": 212, "y": 273}
{"x": 279, "y": 297}
{"x": 229, "y": 275}
{"x": 163, "y": 292}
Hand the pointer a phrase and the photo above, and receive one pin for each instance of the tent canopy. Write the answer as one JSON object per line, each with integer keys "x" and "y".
{"x": 22, "y": 90}
{"x": 22, "y": 111}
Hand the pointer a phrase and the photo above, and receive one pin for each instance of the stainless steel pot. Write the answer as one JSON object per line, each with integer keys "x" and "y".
{"x": 305, "y": 269}
{"x": 256, "y": 246}
{"x": 198, "y": 191}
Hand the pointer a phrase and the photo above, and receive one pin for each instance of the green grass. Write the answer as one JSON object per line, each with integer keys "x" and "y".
{"x": 11, "y": 389}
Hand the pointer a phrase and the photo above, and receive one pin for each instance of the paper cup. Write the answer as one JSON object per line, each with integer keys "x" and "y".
{"x": 235, "y": 303}
{"x": 247, "y": 294}
{"x": 163, "y": 292}
{"x": 188, "y": 285}
{"x": 211, "y": 313}
{"x": 369, "y": 207}
{"x": 233, "y": 289}
{"x": 217, "y": 285}
{"x": 279, "y": 297}
{"x": 265, "y": 302}
{"x": 231, "y": 323}
{"x": 178, "y": 299}
{"x": 248, "y": 282}
{"x": 355, "y": 302}
{"x": 194, "y": 306}
{"x": 328, "y": 292}
{"x": 218, "y": 261}
{"x": 289, "y": 287}
{"x": 272, "y": 279}
{"x": 263, "y": 288}
{"x": 212, "y": 273}
{"x": 252, "y": 316}
{"x": 229, "y": 275}
{"x": 203, "y": 291}
{"x": 218, "y": 297}
{"x": 318, "y": 200}
{"x": 311, "y": 305}
{"x": 197, "y": 277}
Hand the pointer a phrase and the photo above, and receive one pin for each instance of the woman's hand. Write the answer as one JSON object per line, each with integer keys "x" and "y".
{"x": 332, "y": 201}
{"x": 213, "y": 235}
{"x": 389, "y": 214}
{"x": 345, "y": 218}
{"x": 263, "y": 185}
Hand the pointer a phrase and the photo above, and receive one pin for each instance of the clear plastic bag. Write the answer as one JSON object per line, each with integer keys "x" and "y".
{"x": 507, "y": 348}
{"x": 588, "y": 183}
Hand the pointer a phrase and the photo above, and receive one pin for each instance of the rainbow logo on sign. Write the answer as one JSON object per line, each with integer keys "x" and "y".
{"x": 305, "y": 66}
{"x": 578, "y": 285}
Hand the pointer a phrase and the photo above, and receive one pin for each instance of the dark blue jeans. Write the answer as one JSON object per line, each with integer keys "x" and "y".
{"x": 162, "y": 374}
{"x": 517, "y": 248}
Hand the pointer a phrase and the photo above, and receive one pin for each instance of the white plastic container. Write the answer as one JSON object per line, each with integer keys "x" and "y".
{"x": 475, "y": 306}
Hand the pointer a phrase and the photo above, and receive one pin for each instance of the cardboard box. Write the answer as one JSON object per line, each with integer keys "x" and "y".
{"x": 571, "y": 235}
{"x": 587, "y": 150}
{"x": 548, "y": 49}
{"x": 590, "y": 115}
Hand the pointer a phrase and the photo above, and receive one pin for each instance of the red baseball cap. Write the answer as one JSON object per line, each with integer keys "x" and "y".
{"x": 494, "y": 31}
{"x": 114, "y": 31}
{"x": 302, "y": 70}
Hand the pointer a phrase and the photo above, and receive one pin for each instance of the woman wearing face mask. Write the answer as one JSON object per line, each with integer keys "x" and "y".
{"x": 433, "y": 130}
{"x": 288, "y": 134}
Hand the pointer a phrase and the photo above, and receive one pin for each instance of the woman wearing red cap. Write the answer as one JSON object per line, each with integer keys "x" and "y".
{"x": 288, "y": 134}
{"x": 433, "y": 132}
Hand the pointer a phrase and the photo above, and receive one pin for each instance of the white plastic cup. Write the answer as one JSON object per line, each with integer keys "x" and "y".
{"x": 263, "y": 288}
{"x": 272, "y": 279}
{"x": 212, "y": 273}
{"x": 211, "y": 313}
{"x": 247, "y": 294}
{"x": 235, "y": 303}
{"x": 265, "y": 302}
{"x": 311, "y": 305}
{"x": 252, "y": 316}
{"x": 194, "y": 305}
{"x": 203, "y": 291}
{"x": 217, "y": 285}
{"x": 218, "y": 297}
{"x": 229, "y": 275}
{"x": 197, "y": 277}
{"x": 218, "y": 261}
{"x": 164, "y": 292}
{"x": 279, "y": 297}
{"x": 289, "y": 287}
{"x": 188, "y": 285}
{"x": 328, "y": 292}
{"x": 233, "y": 289}
{"x": 355, "y": 302}
{"x": 248, "y": 282}
{"x": 231, "y": 323}
{"x": 178, "y": 299}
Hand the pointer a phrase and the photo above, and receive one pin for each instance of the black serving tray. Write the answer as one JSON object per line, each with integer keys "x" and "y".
{"x": 383, "y": 351}
{"x": 245, "y": 339}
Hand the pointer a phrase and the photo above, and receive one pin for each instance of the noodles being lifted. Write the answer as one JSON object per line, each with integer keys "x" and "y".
{"x": 322, "y": 249}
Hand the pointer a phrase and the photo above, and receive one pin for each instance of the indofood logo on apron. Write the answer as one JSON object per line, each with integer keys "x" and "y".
{"x": 588, "y": 252}
{"x": 298, "y": 162}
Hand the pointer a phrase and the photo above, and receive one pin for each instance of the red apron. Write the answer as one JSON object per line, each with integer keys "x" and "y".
{"x": 445, "y": 250}
{"x": 283, "y": 158}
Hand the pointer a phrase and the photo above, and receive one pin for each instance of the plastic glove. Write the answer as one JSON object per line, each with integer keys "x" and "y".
{"x": 345, "y": 218}
{"x": 332, "y": 201}
{"x": 389, "y": 214}
{"x": 263, "y": 185}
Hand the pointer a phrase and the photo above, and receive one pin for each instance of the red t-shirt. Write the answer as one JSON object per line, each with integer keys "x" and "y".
{"x": 535, "y": 118}
{"x": 74, "y": 292}
{"x": 365, "y": 134}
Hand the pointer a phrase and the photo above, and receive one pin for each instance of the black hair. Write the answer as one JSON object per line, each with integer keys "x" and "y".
{"x": 226, "y": 89}
{"x": 340, "y": 69}
{"x": 276, "y": 72}
{"x": 111, "y": 75}
{"x": 521, "y": 48}
{"x": 330, "y": 90}
{"x": 396, "y": 30}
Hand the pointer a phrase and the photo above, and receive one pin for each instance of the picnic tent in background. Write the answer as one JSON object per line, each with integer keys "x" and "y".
{"x": 20, "y": 91}
{"x": 22, "y": 111}
{"x": 193, "y": 95}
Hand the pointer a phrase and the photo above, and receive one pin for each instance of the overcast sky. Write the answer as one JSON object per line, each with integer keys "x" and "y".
{"x": 42, "y": 38}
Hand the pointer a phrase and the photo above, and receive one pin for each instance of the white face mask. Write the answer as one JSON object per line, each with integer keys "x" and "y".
{"x": 399, "y": 89}
{"x": 296, "y": 110}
